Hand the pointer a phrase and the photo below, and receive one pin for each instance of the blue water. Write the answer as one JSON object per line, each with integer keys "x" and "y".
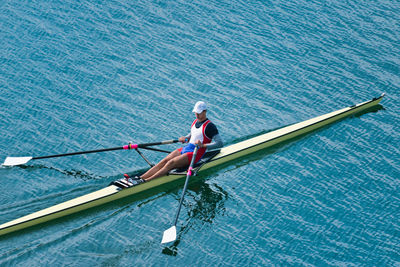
{"x": 88, "y": 75}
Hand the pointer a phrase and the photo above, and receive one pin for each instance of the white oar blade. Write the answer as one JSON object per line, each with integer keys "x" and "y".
{"x": 14, "y": 161}
{"x": 169, "y": 235}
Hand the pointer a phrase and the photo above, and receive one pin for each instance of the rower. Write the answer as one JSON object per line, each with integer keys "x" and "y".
{"x": 203, "y": 133}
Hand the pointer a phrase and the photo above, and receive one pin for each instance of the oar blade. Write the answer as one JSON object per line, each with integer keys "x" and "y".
{"x": 14, "y": 161}
{"x": 169, "y": 235}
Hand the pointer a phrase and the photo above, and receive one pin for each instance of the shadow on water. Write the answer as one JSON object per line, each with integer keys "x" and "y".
{"x": 75, "y": 173}
{"x": 373, "y": 109}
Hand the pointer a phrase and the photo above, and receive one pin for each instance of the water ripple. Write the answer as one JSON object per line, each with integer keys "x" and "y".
{"x": 79, "y": 76}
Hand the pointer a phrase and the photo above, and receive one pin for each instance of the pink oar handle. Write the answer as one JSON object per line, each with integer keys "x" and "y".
{"x": 131, "y": 146}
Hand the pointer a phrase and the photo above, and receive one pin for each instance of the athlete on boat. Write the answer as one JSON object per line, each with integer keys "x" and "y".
{"x": 203, "y": 133}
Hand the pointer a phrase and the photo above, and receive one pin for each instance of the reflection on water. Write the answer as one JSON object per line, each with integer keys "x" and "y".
{"x": 202, "y": 203}
{"x": 207, "y": 203}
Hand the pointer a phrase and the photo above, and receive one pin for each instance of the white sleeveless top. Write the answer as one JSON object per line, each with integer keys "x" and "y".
{"x": 198, "y": 133}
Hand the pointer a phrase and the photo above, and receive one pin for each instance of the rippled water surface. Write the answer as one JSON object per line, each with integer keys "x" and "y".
{"x": 88, "y": 75}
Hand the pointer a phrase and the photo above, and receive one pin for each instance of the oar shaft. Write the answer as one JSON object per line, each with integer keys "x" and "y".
{"x": 189, "y": 173}
{"x": 79, "y": 153}
{"x": 14, "y": 161}
{"x": 130, "y": 146}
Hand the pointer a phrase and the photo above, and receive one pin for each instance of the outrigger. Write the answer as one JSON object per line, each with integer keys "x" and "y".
{"x": 120, "y": 189}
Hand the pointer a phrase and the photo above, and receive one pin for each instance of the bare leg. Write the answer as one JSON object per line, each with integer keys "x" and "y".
{"x": 177, "y": 162}
{"x": 160, "y": 165}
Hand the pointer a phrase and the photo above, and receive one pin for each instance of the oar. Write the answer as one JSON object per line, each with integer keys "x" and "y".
{"x": 170, "y": 234}
{"x": 14, "y": 161}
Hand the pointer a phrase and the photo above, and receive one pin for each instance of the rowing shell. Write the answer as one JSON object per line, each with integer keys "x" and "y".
{"x": 117, "y": 191}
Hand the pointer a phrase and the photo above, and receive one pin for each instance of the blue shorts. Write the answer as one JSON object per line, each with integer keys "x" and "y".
{"x": 189, "y": 148}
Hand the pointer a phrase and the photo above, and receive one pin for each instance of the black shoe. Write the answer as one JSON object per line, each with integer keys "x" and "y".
{"x": 137, "y": 181}
{"x": 137, "y": 178}
{"x": 127, "y": 177}
{"x": 127, "y": 181}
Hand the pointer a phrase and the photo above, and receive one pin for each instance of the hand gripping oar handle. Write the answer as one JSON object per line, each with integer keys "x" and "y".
{"x": 170, "y": 234}
{"x": 13, "y": 161}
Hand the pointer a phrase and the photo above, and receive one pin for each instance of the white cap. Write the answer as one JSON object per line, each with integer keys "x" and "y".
{"x": 199, "y": 107}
